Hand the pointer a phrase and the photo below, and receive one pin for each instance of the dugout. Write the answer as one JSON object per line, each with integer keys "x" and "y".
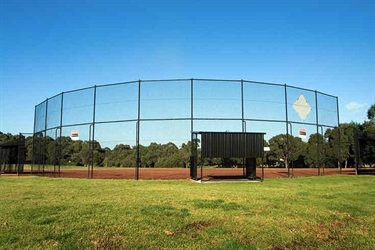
{"x": 245, "y": 147}
{"x": 364, "y": 146}
{"x": 12, "y": 156}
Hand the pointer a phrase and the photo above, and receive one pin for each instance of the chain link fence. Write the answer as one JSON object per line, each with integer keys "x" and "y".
{"x": 143, "y": 129}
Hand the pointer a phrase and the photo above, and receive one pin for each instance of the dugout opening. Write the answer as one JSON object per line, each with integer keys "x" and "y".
{"x": 226, "y": 156}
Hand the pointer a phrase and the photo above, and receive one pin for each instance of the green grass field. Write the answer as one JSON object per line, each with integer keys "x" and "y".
{"x": 302, "y": 213}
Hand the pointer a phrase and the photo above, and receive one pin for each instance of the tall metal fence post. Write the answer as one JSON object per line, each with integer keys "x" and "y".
{"x": 191, "y": 108}
{"x": 18, "y": 154}
{"x": 291, "y": 134}
{"x": 45, "y": 137}
{"x": 243, "y": 124}
{"x": 317, "y": 131}
{"x": 55, "y": 154}
{"x": 338, "y": 126}
{"x": 33, "y": 151}
{"x": 138, "y": 131}
{"x": 287, "y": 128}
{"x": 61, "y": 124}
{"x": 322, "y": 162}
{"x": 89, "y": 164}
{"x": 192, "y": 164}
{"x": 242, "y": 108}
{"x": 93, "y": 134}
{"x": 40, "y": 151}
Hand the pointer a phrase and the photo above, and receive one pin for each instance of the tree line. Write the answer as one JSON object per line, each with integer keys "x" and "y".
{"x": 333, "y": 149}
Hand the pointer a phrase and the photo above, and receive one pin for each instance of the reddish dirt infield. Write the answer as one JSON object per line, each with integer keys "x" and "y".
{"x": 184, "y": 173}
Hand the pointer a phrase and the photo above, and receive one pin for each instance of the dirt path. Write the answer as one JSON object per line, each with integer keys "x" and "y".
{"x": 183, "y": 173}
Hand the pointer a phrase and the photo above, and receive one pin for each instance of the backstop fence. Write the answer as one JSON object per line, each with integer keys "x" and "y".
{"x": 145, "y": 126}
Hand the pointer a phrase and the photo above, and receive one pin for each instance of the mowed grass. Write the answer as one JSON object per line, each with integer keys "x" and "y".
{"x": 335, "y": 212}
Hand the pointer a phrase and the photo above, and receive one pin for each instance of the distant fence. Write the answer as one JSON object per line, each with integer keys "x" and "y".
{"x": 138, "y": 113}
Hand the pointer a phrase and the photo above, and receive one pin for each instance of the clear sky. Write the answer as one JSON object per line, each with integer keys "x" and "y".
{"x": 49, "y": 46}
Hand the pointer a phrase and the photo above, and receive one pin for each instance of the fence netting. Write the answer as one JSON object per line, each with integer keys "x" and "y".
{"x": 143, "y": 129}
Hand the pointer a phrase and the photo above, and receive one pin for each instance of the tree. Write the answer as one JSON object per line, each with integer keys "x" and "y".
{"x": 52, "y": 153}
{"x": 368, "y": 129}
{"x": 170, "y": 156}
{"x": 6, "y": 137}
{"x": 121, "y": 156}
{"x": 335, "y": 149}
{"x": 186, "y": 151}
{"x": 371, "y": 113}
{"x": 316, "y": 153}
{"x": 66, "y": 149}
{"x": 151, "y": 154}
{"x": 29, "y": 148}
{"x": 85, "y": 154}
{"x": 75, "y": 157}
{"x": 347, "y": 142}
{"x": 285, "y": 148}
{"x": 37, "y": 149}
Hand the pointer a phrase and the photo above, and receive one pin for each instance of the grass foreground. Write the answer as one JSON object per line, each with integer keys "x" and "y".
{"x": 336, "y": 212}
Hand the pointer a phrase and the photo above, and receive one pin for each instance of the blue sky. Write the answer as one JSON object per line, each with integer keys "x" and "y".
{"x": 47, "y": 47}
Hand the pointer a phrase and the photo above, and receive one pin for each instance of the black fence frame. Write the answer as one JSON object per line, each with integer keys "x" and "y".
{"x": 42, "y": 133}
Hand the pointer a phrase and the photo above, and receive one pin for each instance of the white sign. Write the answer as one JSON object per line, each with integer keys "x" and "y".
{"x": 302, "y": 107}
{"x": 267, "y": 149}
{"x": 302, "y": 133}
{"x": 74, "y": 135}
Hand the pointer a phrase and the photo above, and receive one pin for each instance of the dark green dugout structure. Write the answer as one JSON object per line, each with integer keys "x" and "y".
{"x": 226, "y": 145}
{"x": 12, "y": 156}
{"x": 361, "y": 141}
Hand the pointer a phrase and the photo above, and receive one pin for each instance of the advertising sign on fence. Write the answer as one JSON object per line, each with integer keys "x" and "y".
{"x": 74, "y": 135}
